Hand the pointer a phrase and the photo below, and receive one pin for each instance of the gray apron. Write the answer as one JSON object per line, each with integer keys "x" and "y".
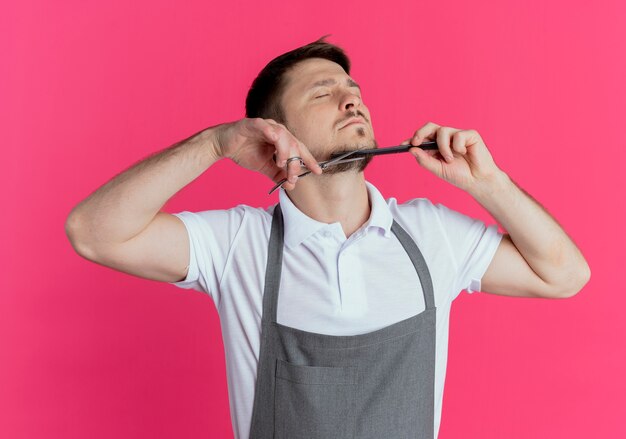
{"x": 377, "y": 385}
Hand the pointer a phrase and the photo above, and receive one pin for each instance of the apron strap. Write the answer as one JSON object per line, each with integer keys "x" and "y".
{"x": 418, "y": 262}
{"x": 274, "y": 266}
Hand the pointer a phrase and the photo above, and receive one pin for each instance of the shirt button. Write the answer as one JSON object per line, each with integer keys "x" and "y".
{"x": 327, "y": 234}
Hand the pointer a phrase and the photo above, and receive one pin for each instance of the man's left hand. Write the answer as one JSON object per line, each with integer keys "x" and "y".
{"x": 462, "y": 158}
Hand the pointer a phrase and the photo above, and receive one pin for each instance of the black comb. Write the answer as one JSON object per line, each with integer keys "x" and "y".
{"x": 389, "y": 150}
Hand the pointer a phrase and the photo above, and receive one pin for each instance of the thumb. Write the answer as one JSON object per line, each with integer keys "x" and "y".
{"x": 426, "y": 160}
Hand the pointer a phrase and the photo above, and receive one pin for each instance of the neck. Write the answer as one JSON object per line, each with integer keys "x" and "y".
{"x": 341, "y": 197}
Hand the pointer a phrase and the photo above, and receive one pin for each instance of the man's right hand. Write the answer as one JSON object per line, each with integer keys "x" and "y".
{"x": 252, "y": 143}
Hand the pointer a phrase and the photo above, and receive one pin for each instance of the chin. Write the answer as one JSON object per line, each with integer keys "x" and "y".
{"x": 357, "y": 165}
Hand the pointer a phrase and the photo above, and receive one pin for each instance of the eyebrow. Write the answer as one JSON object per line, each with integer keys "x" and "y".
{"x": 331, "y": 81}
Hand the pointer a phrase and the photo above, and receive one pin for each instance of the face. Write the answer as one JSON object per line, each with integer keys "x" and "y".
{"x": 319, "y": 99}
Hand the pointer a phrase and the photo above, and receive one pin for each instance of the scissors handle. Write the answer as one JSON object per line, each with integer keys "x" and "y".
{"x": 280, "y": 183}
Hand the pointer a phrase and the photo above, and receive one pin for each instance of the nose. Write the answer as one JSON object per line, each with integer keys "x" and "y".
{"x": 350, "y": 101}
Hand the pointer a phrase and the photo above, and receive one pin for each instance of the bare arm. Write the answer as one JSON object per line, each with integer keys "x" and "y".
{"x": 120, "y": 225}
{"x": 536, "y": 258}
{"x": 123, "y": 207}
{"x": 102, "y": 227}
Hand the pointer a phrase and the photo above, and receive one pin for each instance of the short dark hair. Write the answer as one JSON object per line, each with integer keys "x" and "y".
{"x": 263, "y": 99}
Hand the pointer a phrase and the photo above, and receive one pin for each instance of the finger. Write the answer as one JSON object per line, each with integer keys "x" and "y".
{"x": 281, "y": 175}
{"x": 288, "y": 186}
{"x": 272, "y": 134}
{"x": 416, "y": 140}
{"x": 309, "y": 161}
{"x": 427, "y": 160}
{"x": 293, "y": 170}
{"x": 443, "y": 142}
{"x": 460, "y": 141}
{"x": 293, "y": 148}
{"x": 285, "y": 146}
{"x": 268, "y": 132}
{"x": 427, "y": 131}
{"x": 412, "y": 141}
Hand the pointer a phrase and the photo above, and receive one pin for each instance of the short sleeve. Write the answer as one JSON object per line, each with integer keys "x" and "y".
{"x": 473, "y": 245}
{"x": 211, "y": 236}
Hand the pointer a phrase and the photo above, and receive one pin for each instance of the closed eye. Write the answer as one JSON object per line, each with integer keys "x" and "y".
{"x": 320, "y": 96}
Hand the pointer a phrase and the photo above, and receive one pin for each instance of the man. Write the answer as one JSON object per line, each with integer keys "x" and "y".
{"x": 357, "y": 344}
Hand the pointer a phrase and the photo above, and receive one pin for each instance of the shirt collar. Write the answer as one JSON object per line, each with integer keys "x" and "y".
{"x": 299, "y": 227}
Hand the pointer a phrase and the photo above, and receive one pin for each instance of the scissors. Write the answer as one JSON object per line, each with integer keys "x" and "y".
{"x": 358, "y": 154}
{"x": 341, "y": 158}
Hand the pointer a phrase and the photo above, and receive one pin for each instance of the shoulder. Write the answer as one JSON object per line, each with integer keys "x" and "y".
{"x": 241, "y": 212}
{"x": 433, "y": 225}
{"x": 415, "y": 210}
{"x": 423, "y": 209}
{"x": 421, "y": 218}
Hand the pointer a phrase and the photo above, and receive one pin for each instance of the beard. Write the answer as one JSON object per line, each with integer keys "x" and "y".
{"x": 356, "y": 165}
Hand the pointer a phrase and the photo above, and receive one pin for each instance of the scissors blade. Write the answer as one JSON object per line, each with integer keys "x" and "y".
{"x": 335, "y": 159}
{"x": 323, "y": 165}
{"x": 347, "y": 160}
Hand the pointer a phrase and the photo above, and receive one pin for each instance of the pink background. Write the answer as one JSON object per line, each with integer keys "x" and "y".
{"x": 87, "y": 90}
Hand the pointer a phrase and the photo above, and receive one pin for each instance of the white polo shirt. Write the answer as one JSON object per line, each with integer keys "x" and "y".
{"x": 330, "y": 284}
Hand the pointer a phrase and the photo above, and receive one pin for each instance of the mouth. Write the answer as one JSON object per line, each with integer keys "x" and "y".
{"x": 353, "y": 121}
